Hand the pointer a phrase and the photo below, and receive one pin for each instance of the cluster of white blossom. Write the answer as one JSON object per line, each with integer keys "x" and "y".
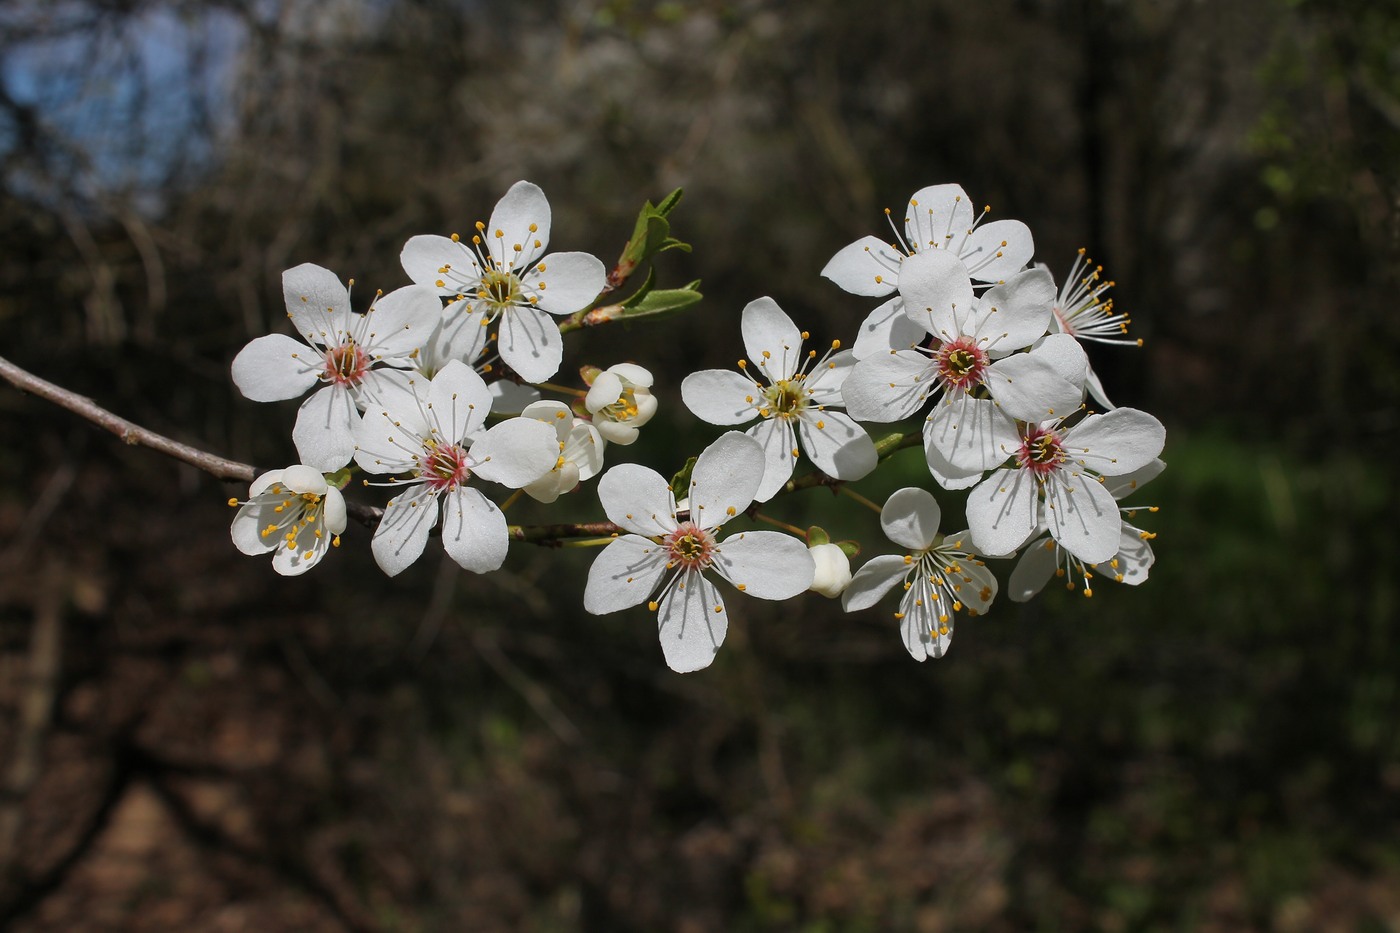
{"x": 971, "y": 336}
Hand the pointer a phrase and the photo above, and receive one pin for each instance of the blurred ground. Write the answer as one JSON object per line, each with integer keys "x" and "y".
{"x": 191, "y": 743}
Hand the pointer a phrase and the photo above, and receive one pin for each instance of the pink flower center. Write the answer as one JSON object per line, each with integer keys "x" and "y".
{"x": 1041, "y": 451}
{"x": 443, "y": 466}
{"x": 691, "y": 547}
{"x": 961, "y": 363}
{"x": 346, "y": 364}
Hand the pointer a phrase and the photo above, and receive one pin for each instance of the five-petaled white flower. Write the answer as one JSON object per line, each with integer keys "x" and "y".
{"x": 1043, "y": 558}
{"x": 794, "y": 399}
{"x": 295, "y": 514}
{"x": 939, "y": 220}
{"x": 663, "y": 559}
{"x": 433, "y": 434}
{"x": 940, "y": 578}
{"x": 580, "y": 450}
{"x": 620, "y": 402}
{"x": 982, "y": 385}
{"x": 1058, "y": 480}
{"x": 340, "y": 351}
{"x": 504, "y": 278}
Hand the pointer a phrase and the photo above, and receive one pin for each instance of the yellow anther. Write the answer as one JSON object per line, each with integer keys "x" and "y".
{"x": 456, "y": 238}
{"x": 534, "y": 228}
{"x": 821, "y": 425}
{"x": 729, "y": 511}
{"x": 652, "y": 605}
{"x": 719, "y": 608}
{"x": 835, "y": 344}
{"x": 742, "y": 586}
{"x": 908, "y": 559}
{"x": 806, "y": 335}
{"x": 233, "y": 502}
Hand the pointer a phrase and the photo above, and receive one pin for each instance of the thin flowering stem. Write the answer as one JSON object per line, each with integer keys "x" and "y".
{"x": 128, "y": 431}
{"x": 759, "y": 516}
{"x": 555, "y": 534}
{"x": 562, "y": 390}
{"x": 852, "y": 494}
{"x": 512, "y": 499}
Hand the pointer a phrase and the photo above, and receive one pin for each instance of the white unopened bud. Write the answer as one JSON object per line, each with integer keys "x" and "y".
{"x": 833, "y": 570}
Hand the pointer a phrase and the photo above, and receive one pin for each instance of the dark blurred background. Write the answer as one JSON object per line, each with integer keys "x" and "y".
{"x": 189, "y": 742}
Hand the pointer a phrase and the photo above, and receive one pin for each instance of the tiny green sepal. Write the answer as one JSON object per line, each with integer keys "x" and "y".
{"x": 849, "y": 548}
{"x": 588, "y": 373}
{"x": 680, "y": 483}
{"x": 816, "y": 536}
{"x": 340, "y": 478}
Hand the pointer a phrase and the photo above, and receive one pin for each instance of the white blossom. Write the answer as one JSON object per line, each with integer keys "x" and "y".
{"x": 620, "y": 402}
{"x": 979, "y": 385}
{"x": 795, "y": 399}
{"x": 663, "y": 560}
{"x": 434, "y": 435}
{"x": 294, "y": 514}
{"x": 346, "y": 353}
{"x": 939, "y": 220}
{"x": 1058, "y": 479}
{"x": 580, "y": 450}
{"x": 940, "y": 577}
{"x": 1044, "y": 558}
{"x": 503, "y": 278}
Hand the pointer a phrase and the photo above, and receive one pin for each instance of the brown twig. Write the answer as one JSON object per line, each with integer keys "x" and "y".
{"x": 129, "y": 432}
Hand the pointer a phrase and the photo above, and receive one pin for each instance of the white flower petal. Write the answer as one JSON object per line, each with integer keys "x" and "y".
{"x": 606, "y": 389}
{"x": 473, "y": 530}
{"x": 725, "y": 479}
{"x": 515, "y": 452}
{"x": 317, "y": 303}
{"x": 823, "y": 383}
{"x": 584, "y": 447}
{"x": 776, "y": 438}
{"x": 972, "y": 435}
{"x": 838, "y": 446}
{"x": 567, "y": 282}
{"x": 385, "y": 443}
{"x": 1003, "y": 511}
{"x": 937, "y": 216}
{"x": 866, "y": 267}
{"x": 1096, "y": 389}
{"x": 555, "y": 414}
{"x": 631, "y": 372}
{"x": 336, "y": 517}
{"x": 324, "y": 433}
{"x": 638, "y": 499}
{"x": 248, "y": 525}
{"x": 997, "y": 250}
{"x": 276, "y": 367}
{"x": 1117, "y": 442}
{"x": 872, "y": 581}
{"x": 1034, "y": 570}
{"x": 720, "y": 396}
{"x": 458, "y": 402}
{"x": 625, "y": 574}
{"x": 1082, "y": 516}
{"x": 772, "y": 342}
{"x": 887, "y": 328}
{"x": 1016, "y": 313}
{"x": 461, "y": 335}
{"x": 522, "y": 206}
{"x": 401, "y": 322}
{"x": 888, "y": 386}
{"x": 530, "y": 343}
{"x": 303, "y": 479}
{"x": 403, "y": 530}
{"x": 937, "y": 292}
{"x": 1134, "y": 557}
{"x": 692, "y": 623}
{"x": 944, "y": 473}
{"x": 910, "y": 518}
{"x": 1065, "y": 355}
{"x": 1028, "y": 388}
{"x": 766, "y": 564}
{"x": 429, "y": 260}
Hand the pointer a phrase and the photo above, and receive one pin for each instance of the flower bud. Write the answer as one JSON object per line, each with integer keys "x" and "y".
{"x": 833, "y": 570}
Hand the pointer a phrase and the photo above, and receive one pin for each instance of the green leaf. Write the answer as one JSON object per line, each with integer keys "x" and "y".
{"x": 340, "y": 478}
{"x": 680, "y": 483}
{"x": 661, "y": 302}
{"x": 650, "y": 235}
